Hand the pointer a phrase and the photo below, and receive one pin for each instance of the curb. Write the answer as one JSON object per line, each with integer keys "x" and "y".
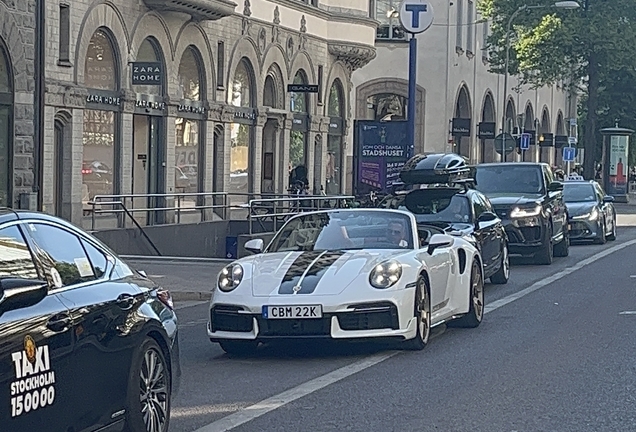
{"x": 167, "y": 259}
{"x": 190, "y": 296}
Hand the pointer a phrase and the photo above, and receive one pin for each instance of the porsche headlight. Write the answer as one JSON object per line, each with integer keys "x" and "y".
{"x": 230, "y": 277}
{"x": 522, "y": 212}
{"x": 385, "y": 275}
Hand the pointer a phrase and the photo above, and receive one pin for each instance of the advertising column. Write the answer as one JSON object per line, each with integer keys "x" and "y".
{"x": 616, "y": 161}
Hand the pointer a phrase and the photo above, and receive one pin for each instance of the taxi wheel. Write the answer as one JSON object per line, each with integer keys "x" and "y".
{"x": 612, "y": 236}
{"x": 149, "y": 391}
{"x": 602, "y": 237}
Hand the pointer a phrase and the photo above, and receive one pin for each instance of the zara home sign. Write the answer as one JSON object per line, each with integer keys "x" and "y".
{"x": 147, "y": 73}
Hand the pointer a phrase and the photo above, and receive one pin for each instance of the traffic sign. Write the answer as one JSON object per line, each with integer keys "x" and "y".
{"x": 572, "y": 141}
{"x": 509, "y": 145}
{"x": 525, "y": 141}
{"x": 416, "y": 16}
{"x": 569, "y": 154}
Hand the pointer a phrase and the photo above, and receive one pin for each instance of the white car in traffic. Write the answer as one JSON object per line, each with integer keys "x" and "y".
{"x": 347, "y": 274}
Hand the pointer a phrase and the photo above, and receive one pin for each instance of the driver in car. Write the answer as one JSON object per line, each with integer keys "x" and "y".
{"x": 396, "y": 234}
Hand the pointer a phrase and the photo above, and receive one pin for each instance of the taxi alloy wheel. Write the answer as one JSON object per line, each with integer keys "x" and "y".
{"x": 153, "y": 386}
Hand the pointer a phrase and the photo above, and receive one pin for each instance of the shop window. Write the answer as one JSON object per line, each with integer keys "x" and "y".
{"x": 387, "y": 107}
{"x": 335, "y": 148}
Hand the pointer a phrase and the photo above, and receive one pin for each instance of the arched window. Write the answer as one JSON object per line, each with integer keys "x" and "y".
{"x": 190, "y": 148}
{"x": 102, "y": 78}
{"x": 242, "y": 96}
{"x": 299, "y": 105}
{"x": 269, "y": 94}
{"x": 335, "y": 148}
{"x": 299, "y": 101}
{"x": 387, "y": 107}
{"x": 6, "y": 128}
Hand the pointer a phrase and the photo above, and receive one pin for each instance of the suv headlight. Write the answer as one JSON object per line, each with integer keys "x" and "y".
{"x": 230, "y": 277}
{"x": 385, "y": 275}
{"x": 521, "y": 212}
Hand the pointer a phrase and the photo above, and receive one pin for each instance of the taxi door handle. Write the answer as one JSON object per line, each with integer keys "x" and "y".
{"x": 59, "y": 322}
{"x": 125, "y": 301}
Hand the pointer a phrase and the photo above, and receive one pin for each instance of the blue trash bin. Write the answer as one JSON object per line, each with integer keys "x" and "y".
{"x": 231, "y": 247}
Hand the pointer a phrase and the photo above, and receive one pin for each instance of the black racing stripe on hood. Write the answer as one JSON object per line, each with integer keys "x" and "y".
{"x": 318, "y": 270}
{"x": 296, "y": 270}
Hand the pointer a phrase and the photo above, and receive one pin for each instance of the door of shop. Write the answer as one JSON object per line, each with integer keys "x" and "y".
{"x": 149, "y": 166}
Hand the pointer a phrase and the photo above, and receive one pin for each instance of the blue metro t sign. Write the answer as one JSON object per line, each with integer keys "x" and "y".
{"x": 416, "y": 16}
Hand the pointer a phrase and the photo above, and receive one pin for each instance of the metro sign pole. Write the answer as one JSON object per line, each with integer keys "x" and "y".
{"x": 416, "y": 16}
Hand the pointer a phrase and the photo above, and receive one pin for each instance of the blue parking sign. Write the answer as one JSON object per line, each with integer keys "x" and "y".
{"x": 525, "y": 141}
{"x": 569, "y": 154}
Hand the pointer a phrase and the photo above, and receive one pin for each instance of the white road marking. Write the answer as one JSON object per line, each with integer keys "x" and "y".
{"x": 628, "y": 313}
{"x": 187, "y": 304}
{"x": 270, "y": 404}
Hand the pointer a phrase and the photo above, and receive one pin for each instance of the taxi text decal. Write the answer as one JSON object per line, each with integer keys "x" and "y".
{"x": 34, "y": 384}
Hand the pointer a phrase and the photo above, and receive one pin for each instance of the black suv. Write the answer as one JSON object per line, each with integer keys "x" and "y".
{"x": 527, "y": 198}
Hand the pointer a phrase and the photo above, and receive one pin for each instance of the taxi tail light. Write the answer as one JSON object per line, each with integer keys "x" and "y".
{"x": 166, "y": 298}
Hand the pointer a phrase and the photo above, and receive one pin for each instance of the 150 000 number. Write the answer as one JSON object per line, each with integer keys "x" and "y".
{"x": 31, "y": 401}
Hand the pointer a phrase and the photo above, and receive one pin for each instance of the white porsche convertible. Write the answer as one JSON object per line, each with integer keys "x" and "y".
{"x": 347, "y": 274}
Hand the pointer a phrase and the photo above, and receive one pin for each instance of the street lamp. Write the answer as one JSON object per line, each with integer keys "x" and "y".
{"x": 568, "y": 5}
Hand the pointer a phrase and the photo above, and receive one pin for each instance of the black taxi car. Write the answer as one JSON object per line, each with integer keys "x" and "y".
{"x": 86, "y": 342}
{"x": 529, "y": 200}
{"x": 436, "y": 188}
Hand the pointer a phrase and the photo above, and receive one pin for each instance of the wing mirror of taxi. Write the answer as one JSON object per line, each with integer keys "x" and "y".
{"x": 439, "y": 241}
{"x": 608, "y": 199}
{"x": 486, "y": 217}
{"x": 555, "y": 186}
{"x": 17, "y": 293}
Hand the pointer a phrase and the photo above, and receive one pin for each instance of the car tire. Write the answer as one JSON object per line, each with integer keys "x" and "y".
{"x": 503, "y": 274}
{"x": 422, "y": 312}
{"x": 476, "y": 310}
{"x": 546, "y": 255}
{"x": 149, "y": 390}
{"x": 239, "y": 347}
{"x": 602, "y": 234}
{"x": 562, "y": 249}
{"x": 612, "y": 236}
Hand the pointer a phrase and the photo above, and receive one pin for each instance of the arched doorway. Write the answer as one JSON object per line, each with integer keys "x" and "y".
{"x": 190, "y": 169}
{"x": 298, "y": 143}
{"x": 100, "y": 172}
{"x": 272, "y": 97}
{"x": 149, "y": 136}
{"x": 546, "y": 139}
{"x": 487, "y": 130}
{"x": 559, "y": 140}
{"x": 335, "y": 147}
{"x": 243, "y": 97}
{"x": 461, "y": 124}
{"x": 509, "y": 126}
{"x": 6, "y": 128}
{"x": 529, "y": 127}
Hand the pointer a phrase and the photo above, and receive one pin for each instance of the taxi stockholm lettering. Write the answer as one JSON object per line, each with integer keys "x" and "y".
{"x": 34, "y": 385}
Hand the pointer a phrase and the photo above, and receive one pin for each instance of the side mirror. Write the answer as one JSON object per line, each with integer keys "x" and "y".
{"x": 439, "y": 241}
{"x": 16, "y": 293}
{"x": 608, "y": 199}
{"x": 555, "y": 186}
{"x": 486, "y": 217}
{"x": 255, "y": 246}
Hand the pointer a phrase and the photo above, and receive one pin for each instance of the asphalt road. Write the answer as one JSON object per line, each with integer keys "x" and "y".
{"x": 554, "y": 353}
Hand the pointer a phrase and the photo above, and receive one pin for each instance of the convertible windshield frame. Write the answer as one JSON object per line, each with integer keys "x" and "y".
{"x": 341, "y": 230}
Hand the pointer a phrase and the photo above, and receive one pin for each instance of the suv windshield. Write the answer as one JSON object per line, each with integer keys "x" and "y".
{"x": 509, "y": 179}
{"x": 342, "y": 230}
{"x": 438, "y": 206}
{"x": 578, "y": 193}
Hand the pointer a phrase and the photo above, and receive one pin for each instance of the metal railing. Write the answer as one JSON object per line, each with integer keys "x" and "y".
{"x": 281, "y": 209}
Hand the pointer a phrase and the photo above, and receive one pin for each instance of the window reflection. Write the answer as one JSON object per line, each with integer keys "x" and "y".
{"x": 386, "y": 107}
{"x": 15, "y": 258}
{"x": 386, "y": 11}
{"x": 189, "y": 76}
{"x": 241, "y": 92}
{"x": 99, "y": 69}
{"x": 298, "y": 101}
{"x": 240, "y": 133}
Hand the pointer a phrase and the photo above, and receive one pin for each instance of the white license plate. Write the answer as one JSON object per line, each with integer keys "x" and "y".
{"x": 292, "y": 312}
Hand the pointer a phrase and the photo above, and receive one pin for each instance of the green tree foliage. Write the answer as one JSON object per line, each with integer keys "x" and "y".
{"x": 551, "y": 45}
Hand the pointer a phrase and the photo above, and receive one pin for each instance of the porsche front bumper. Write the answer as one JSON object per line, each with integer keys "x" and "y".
{"x": 387, "y": 314}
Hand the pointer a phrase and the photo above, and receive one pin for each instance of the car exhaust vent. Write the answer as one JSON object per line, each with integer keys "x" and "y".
{"x": 461, "y": 253}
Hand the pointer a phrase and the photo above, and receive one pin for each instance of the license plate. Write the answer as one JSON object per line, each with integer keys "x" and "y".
{"x": 292, "y": 312}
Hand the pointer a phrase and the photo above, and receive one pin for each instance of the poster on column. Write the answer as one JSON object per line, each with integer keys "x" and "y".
{"x": 380, "y": 152}
{"x": 618, "y": 165}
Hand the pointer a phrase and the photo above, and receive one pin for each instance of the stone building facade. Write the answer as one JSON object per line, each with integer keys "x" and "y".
{"x": 17, "y": 37}
{"x": 159, "y": 97}
{"x": 459, "y": 103}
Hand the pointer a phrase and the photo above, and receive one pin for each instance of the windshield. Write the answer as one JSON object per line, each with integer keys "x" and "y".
{"x": 347, "y": 229}
{"x": 578, "y": 193}
{"x": 509, "y": 179}
{"x": 438, "y": 206}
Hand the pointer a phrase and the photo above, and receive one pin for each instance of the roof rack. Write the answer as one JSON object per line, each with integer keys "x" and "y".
{"x": 434, "y": 168}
